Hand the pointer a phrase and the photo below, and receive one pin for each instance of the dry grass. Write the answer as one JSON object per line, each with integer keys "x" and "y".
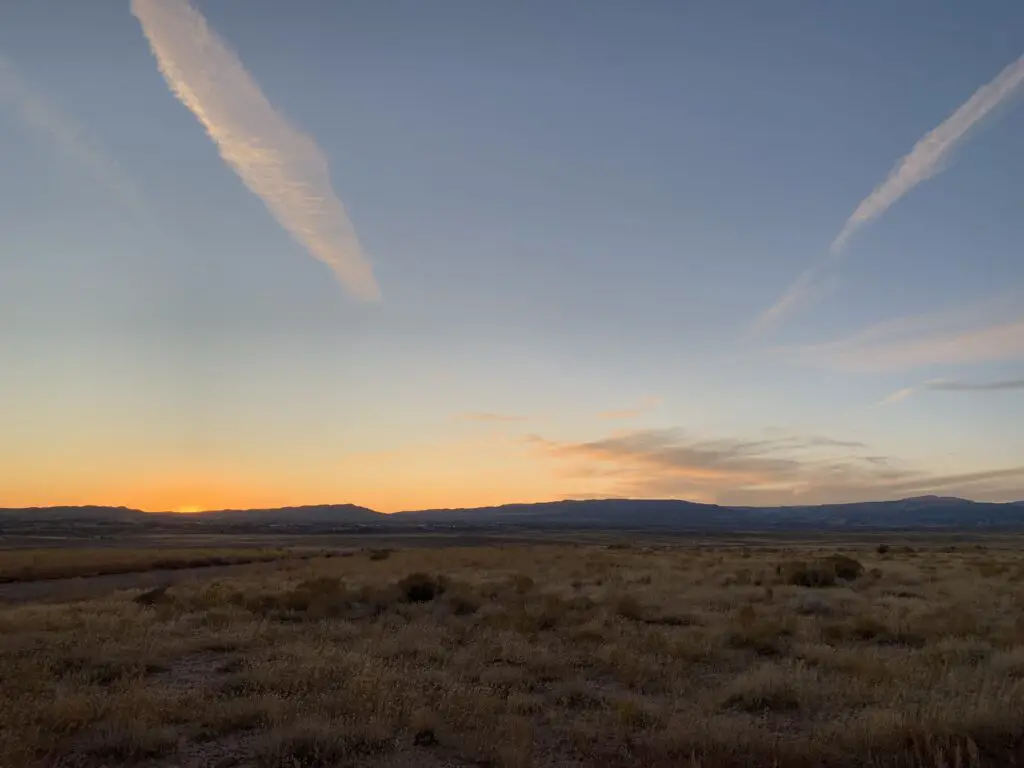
{"x": 17, "y": 565}
{"x": 534, "y": 656}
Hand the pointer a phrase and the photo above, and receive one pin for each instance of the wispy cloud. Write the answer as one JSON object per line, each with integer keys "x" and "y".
{"x": 810, "y": 287}
{"x": 926, "y": 159}
{"x": 492, "y": 418}
{"x": 946, "y": 385}
{"x": 734, "y": 471}
{"x": 815, "y": 441}
{"x": 277, "y": 162}
{"x": 898, "y": 396}
{"x": 988, "y": 331}
{"x": 942, "y": 385}
{"x": 646, "y": 404}
{"x": 40, "y": 116}
{"x": 997, "y": 342}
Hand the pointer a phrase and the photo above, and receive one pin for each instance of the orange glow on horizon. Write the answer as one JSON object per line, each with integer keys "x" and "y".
{"x": 397, "y": 497}
{"x": 475, "y": 472}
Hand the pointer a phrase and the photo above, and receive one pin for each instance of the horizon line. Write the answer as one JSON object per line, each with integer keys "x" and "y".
{"x": 192, "y": 511}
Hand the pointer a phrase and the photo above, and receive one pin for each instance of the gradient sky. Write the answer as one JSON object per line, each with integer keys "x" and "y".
{"x": 587, "y": 221}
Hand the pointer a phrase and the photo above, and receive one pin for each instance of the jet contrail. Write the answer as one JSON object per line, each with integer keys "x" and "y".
{"x": 277, "y": 162}
{"x": 803, "y": 291}
{"x": 924, "y": 161}
{"x": 43, "y": 117}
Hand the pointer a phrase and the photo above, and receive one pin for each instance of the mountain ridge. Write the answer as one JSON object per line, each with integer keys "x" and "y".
{"x": 916, "y": 511}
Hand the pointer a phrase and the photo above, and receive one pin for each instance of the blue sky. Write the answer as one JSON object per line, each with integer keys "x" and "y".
{"x": 569, "y": 209}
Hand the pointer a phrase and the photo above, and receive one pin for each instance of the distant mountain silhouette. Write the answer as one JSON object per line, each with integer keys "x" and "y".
{"x": 321, "y": 514}
{"x": 86, "y": 513}
{"x": 918, "y": 512}
{"x": 921, "y": 512}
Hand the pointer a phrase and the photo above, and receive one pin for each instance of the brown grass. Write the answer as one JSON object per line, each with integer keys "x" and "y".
{"x": 533, "y": 656}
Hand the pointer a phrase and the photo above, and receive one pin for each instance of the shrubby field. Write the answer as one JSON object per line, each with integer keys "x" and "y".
{"x": 535, "y": 655}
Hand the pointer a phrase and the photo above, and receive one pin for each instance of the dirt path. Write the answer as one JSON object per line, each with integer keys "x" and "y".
{"x": 64, "y": 590}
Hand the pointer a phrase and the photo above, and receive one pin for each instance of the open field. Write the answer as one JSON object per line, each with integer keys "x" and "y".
{"x": 660, "y": 654}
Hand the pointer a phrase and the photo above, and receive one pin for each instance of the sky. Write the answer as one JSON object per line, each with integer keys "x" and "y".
{"x": 256, "y": 253}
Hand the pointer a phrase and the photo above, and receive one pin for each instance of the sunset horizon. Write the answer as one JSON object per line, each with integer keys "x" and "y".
{"x": 475, "y": 257}
{"x": 191, "y": 509}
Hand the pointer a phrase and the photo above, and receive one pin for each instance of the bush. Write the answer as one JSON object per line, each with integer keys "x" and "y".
{"x": 522, "y": 583}
{"x": 763, "y": 689}
{"x": 321, "y": 597}
{"x": 551, "y": 611}
{"x": 374, "y": 600}
{"x": 463, "y": 603}
{"x": 846, "y": 567}
{"x": 822, "y": 573}
{"x": 764, "y": 637}
{"x": 882, "y": 549}
{"x": 628, "y": 607}
{"x": 802, "y": 574}
{"x": 420, "y": 587}
{"x": 155, "y": 596}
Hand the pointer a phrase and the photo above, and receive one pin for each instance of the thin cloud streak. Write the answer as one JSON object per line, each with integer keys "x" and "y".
{"x": 925, "y": 160}
{"x": 977, "y": 386}
{"x": 40, "y": 116}
{"x": 277, "y": 162}
{"x": 945, "y": 385}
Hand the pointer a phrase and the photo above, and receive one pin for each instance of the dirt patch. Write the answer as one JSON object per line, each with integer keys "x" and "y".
{"x": 225, "y": 752}
{"x": 203, "y": 670}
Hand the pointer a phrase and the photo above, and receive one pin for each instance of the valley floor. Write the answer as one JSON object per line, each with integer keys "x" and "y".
{"x": 595, "y": 653}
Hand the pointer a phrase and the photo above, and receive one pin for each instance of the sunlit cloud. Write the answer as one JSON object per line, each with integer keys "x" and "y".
{"x": 980, "y": 345}
{"x": 988, "y": 331}
{"x": 278, "y": 163}
{"x": 926, "y": 159}
{"x": 41, "y": 117}
{"x": 657, "y": 463}
{"x": 645, "y": 405}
